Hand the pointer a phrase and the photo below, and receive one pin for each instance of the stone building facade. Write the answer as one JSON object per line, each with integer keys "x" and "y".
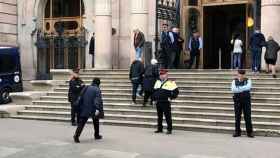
{"x": 8, "y": 23}
{"x": 44, "y": 45}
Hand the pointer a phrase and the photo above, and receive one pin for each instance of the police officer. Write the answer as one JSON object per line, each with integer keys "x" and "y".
{"x": 241, "y": 87}
{"x": 75, "y": 87}
{"x": 164, "y": 91}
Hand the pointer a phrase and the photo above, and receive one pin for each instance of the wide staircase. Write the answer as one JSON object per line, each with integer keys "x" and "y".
{"x": 204, "y": 104}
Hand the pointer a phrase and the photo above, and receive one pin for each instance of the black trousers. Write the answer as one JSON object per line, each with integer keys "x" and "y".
{"x": 171, "y": 59}
{"x": 243, "y": 104}
{"x": 195, "y": 55}
{"x": 148, "y": 95}
{"x": 134, "y": 90}
{"x": 81, "y": 124}
{"x": 164, "y": 108}
{"x": 74, "y": 114}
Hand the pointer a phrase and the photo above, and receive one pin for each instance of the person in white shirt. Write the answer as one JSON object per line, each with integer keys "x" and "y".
{"x": 237, "y": 52}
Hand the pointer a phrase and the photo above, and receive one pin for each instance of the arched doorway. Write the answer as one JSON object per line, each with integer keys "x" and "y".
{"x": 61, "y": 42}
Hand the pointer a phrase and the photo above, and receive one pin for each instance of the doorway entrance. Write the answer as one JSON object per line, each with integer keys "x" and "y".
{"x": 220, "y": 24}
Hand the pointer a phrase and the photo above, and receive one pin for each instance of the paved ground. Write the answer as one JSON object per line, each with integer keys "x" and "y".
{"x": 36, "y": 139}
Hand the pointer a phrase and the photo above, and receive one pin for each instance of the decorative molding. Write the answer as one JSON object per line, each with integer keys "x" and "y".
{"x": 139, "y": 7}
{"x": 103, "y": 7}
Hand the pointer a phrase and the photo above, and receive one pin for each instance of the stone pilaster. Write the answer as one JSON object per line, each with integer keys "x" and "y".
{"x": 139, "y": 19}
{"x": 103, "y": 34}
{"x": 270, "y": 20}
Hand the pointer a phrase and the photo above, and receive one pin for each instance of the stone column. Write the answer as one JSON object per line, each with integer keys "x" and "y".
{"x": 103, "y": 34}
{"x": 270, "y": 20}
{"x": 139, "y": 20}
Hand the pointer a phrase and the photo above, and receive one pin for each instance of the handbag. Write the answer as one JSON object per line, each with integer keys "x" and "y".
{"x": 79, "y": 100}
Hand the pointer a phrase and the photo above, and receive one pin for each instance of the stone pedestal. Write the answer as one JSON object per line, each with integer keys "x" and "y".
{"x": 270, "y": 21}
{"x": 139, "y": 20}
{"x": 103, "y": 33}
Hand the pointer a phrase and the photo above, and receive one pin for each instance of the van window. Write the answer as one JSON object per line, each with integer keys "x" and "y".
{"x": 7, "y": 63}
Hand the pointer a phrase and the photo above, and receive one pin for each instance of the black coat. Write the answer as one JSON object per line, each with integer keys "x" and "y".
{"x": 257, "y": 41}
{"x": 272, "y": 48}
{"x": 136, "y": 72}
{"x": 92, "y": 46}
{"x": 150, "y": 77}
{"x": 91, "y": 101}
{"x": 75, "y": 87}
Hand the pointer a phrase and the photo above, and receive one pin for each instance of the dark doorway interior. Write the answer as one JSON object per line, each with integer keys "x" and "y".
{"x": 220, "y": 24}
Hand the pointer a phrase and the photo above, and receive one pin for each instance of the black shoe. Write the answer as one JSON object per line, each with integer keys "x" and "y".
{"x": 158, "y": 131}
{"x": 74, "y": 124}
{"x": 76, "y": 139}
{"x": 250, "y": 135}
{"x": 236, "y": 135}
{"x": 98, "y": 137}
{"x": 169, "y": 132}
{"x": 274, "y": 76}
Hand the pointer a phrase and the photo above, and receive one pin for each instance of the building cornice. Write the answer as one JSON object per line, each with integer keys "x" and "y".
{"x": 270, "y": 3}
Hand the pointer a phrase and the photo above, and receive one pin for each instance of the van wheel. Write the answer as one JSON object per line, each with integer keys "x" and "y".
{"x": 5, "y": 96}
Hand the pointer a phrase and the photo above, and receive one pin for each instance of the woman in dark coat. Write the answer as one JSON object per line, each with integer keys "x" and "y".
{"x": 150, "y": 77}
{"x": 271, "y": 55}
{"x": 75, "y": 87}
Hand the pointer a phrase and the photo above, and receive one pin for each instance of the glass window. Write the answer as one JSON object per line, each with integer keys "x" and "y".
{"x": 7, "y": 63}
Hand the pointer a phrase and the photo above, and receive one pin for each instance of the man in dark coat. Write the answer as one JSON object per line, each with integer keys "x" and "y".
{"x": 195, "y": 45}
{"x": 165, "y": 44}
{"x": 92, "y": 106}
{"x": 150, "y": 77}
{"x": 75, "y": 87}
{"x": 139, "y": 41}
{"x": 271, "y": 55}
{"x": 257, "y": 42}
{"x": 92, "y": 48}
{"x": 136, "y": 77}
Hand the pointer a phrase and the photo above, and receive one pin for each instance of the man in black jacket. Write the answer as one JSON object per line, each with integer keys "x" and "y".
{"x": 92, "y": 106}
{"x": 150, "y": 77}
{"x": 257, "y": 42}
{"x": 92, "y": 48}
{"x": 136, "y": 77}
{"x": 75, "y": 87}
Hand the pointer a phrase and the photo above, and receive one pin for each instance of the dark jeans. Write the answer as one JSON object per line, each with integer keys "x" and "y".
{"x": 81, "y": 125}
{"x": 164, "y": 108}
{"x": 134, "y": 90}
{"x": 177, "y": 59}
{"x": 256, "y": 59}
{"x": 171, "y": 59}
{"x": 148, "y": 95}
{"x": 74, "y": 114}
{"x": 195, "y": 55}
{"x": 243, "y": 104}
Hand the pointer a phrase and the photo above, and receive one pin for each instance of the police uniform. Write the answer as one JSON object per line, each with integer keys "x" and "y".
{"x": 242, "y": 102}
{"x": 164, "y": 91}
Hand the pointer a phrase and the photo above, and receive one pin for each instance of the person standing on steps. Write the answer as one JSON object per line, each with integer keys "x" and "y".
{"x": 241, "y": 87}
{"x": 91, "y": 106}
{"x": 271, "y": 55}
{"x": 75, "y": 87}
{"x": 257, "y": 42}
{"x": 150, "y": 77}
{"x": 136, "y": 77}
{"x": 164, "y": 91}
{"x": 237, "y": 51}
{"x": 139, "y": 41}
{"x": 195, "y": 45}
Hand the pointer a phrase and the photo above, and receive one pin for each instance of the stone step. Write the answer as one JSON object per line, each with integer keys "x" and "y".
{"x": 186, "y": 127}
{"x": 180, "y": 98}
{"x": 179, "y": 115}
{"x": 111, "y": 107}
{"x": 274, "y": 89}
{"x": 128, "y": 102}
{"x": 177, "y": 79}
{"x": 150, "y": 116}
{"x": 182, "y": 92}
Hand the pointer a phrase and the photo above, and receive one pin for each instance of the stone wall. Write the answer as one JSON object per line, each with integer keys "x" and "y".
{"x": 8, "y": 23}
